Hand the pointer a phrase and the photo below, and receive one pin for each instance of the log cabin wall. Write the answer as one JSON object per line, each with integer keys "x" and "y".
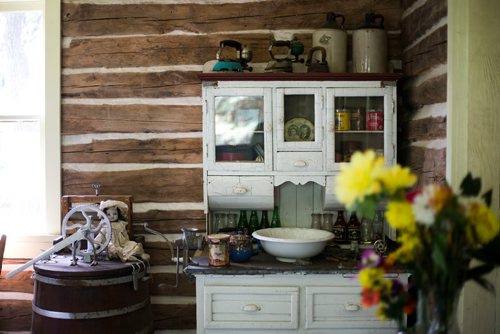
{"x": 422, "y": 118}
{"x": 132, "y": 113}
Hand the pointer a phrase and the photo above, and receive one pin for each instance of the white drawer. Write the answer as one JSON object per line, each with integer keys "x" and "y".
{"x": 300, "y": 161}
{"x": 255, "y": 307}
{"x": 240, "y": 192}
{"x": 340, "y": 307}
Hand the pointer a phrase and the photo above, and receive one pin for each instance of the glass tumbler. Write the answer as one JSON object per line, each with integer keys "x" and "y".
{"x": 316, "y": 221}
{"x": 327, "y": 224}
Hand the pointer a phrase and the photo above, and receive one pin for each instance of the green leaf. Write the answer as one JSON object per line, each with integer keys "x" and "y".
{"x": 476, "y": 272}
{"x": 438, "y": 254}
{"x": 489, "y": 253}
{"x": 470, "y": 186}
{"x": 367, "y": 208}
{"x": 485, "y": 284}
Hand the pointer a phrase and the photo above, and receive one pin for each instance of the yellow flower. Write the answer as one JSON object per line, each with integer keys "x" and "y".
{"x": 360, "y": 178}
{"x": 372, "y": 278}
{"x": 483, "y": 225}
{"x": 397, "y": 178}
{"x": 399, "y": 215}
{"x": 409, "y": 248}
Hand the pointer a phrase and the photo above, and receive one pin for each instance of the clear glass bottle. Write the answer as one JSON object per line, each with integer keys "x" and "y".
{"x": 243, "y": 222}
{"x": 253, "y": 224}
{"x": 316, "y": 221}
{"x": 353, "y": 228}
{"x": 231, "y": 220}
{"x": 264, "y": 221}
{"x": 275, "y": 221}
{"x": 340, "y": 229}
{"x": 366, "y": 231}
{"x": 327, "y": 223}
{"x": 378, "y": 225}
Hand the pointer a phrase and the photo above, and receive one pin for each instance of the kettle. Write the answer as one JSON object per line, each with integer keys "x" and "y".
{"x": 333, "y": 38}
{"x": 369, "y": 46}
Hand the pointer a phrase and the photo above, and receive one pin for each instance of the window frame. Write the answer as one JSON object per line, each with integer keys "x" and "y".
{"x": 27, "y": 246}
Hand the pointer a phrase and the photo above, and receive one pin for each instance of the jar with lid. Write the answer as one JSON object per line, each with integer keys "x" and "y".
{"x": 340, "y": 229}
{"x": 358, "y": 119}
{"x": 218, "y": 250}
{"x": 240, "y": 248}
{"x": 353, "y": 228}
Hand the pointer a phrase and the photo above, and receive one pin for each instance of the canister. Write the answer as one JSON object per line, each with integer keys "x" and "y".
{"x": 218, "y": 250}
{"x": 333, "y": 38}
{"x": 369, "y": 46}
{"x": 375, "y": 120}
{"x": 342, "y": 120}
{"x": 240, "y": 248}
{"x": 358, "y": 121}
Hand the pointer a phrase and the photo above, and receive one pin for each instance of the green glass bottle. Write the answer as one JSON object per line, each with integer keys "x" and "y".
{"x": 243, "y": 222}
{"x": 253, "y": 224}
{"x": 275, "y": 221}
{"x": 264, "y": 221}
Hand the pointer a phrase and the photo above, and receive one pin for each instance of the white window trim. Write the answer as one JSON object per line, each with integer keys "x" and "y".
{"x": 30, "y": 246}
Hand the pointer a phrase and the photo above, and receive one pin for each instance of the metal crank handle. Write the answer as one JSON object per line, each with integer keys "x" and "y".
{"x": 78, "y": 235}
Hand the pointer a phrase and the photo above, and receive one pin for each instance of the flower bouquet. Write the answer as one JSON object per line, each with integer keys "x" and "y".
{"x": 439, "y": 234}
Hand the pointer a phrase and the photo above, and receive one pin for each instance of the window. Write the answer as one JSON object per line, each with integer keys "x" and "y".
{"x": 29, "y": 124}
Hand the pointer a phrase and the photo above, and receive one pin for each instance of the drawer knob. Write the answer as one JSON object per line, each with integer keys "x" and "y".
{"x": 300, "y": 163}
{"x": 352, "y": 307}
{"x": 239, "y": 190}
{"x": 251, "y": 308}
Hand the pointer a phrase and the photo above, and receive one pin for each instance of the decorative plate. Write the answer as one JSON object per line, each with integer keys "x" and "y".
{"x": 299, "y": 129}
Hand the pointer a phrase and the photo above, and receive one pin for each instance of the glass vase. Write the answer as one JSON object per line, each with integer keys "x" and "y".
{"x": 442, "y": 311}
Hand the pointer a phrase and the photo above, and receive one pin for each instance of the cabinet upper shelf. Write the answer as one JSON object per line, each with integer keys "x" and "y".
{"x": 241, "y": 76}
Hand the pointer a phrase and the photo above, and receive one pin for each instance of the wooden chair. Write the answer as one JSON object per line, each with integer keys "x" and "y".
{"x": 70, "y": 201}
{"x": 3, "y": 240}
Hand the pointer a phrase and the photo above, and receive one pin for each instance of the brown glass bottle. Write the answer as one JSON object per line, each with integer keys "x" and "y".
{"x": 353, "y": 228}
{"x": 340, "y": 229}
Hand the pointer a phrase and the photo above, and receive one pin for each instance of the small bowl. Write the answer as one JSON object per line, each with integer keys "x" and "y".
{"x": 240, "y": 248}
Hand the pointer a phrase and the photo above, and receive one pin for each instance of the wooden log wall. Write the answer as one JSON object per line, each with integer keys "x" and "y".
{"x": 132, "y": 112}
{"x": 422, "y": 119}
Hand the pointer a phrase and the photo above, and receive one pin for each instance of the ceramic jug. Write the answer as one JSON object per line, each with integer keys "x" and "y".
{"x": 333, "y": 38}
{"x": 369, "y": 46}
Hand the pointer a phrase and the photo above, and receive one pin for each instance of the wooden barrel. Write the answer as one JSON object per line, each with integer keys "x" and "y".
{"x": 111, "y": 297}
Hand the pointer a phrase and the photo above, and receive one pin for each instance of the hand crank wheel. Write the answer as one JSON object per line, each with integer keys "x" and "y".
{"x": 98, "y": 234}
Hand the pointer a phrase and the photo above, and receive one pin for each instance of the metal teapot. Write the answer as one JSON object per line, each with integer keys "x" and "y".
{"x": 317, "y": 66}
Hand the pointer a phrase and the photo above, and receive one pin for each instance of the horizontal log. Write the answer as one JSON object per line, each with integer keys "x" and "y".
{"x": 429, "y": 92}
{"x": 424, "y": 129}
{"x": 131, "y": 85}
{"x": 158, "y": 150}
{"x": 171, "y": 221}
{"x": 80, "y": 119}
{"x": 15, "y": 316}
{"x": 428, "y": 164}
{"x": 429, "y": 52}
{"x": 98, "y": 20}
{"x": 21, "y": 282}
{"x": 421, "y": 20}
{"x": 165, "y": 185}
{"x": 156, "y": 50}
{"x": 164, "y": 285}
{"x": 174, "y": 316}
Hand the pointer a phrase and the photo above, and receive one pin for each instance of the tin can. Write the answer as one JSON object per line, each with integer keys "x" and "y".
{"x": 218, "y": 250}
{"x": 342, "y": 120}
{"x": 375, "y": 120}
{"x": 358, "y": 121}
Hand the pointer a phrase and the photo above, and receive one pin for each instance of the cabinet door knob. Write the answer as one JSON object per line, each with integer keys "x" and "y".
{"x": 251, "y": 308}
{"x": 300, "y": 163}
{"x": 239, "y": 190}
{"x": 352, "y": 307}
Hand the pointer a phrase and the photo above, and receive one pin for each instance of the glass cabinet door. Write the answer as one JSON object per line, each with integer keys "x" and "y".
{"x": 299, "y": 119}
{"x": 360, "y": 120}
{"x": 240, "y": 134}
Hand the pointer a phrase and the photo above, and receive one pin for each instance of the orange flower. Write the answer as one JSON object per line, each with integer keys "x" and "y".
{"x": 369, "y": 297}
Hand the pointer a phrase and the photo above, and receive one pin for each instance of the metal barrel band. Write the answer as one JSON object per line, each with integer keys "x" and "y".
{"x": 95, "y": 282}
{"x": 89, "y": 315}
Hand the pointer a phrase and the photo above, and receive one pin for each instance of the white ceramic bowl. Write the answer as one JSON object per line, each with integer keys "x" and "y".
{"x": 288, "y": 244}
